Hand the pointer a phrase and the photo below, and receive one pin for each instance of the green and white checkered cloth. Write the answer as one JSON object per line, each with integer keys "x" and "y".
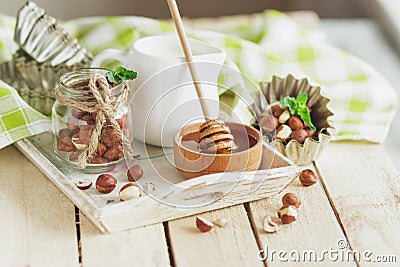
{"x": 363, "y": 102}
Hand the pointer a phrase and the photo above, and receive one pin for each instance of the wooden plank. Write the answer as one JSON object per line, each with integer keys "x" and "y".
{"x": 316, "y": 227}
{"x": 364, "y": 187}
{"x": 37, "y": 220}
{"x": 233, "y": 245}
{"x": 144, "y": 246}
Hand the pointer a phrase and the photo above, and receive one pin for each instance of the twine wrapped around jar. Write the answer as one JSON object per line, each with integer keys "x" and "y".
{"x": 105, "y": 105}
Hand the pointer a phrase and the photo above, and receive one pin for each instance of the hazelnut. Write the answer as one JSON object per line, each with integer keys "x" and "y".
{"x": 73, "y": 124}
{"x": 78, "y": 143}
{"x": 106, "y": 183}
{"x": 287, "y": 214}
{"x": 75, "y": 155}
{"x": 65, "y": 144}
{"x": 77, "y": 113}
{"x": 284, "y": 117}
{"x": 268, "y": 123}
{"x": 221, "y": 222}
{"x": 150, "y": 187}
{"x": 273, "y": 221}
{"x": 276, "y": 110}
{"x": 291, "y": 199}
{"x": 134, "y": 173}
{"x": 310, "y": 132}
{"x": 283, "y": 132}
{"x": 129, "y": 191}
{"x": 308, "y": 177}
{"x": 114, "y": 153}
{"x": 98, "y": 160}
{"x": 268, "y": 226}
{"x": 295, "y": 123}
{"x": 203, "y": 224}
{"x": 299, "y": 135}
{"x": 82, "y": 138}
{"x": 87, "y": 117}
{"x": 84, "y": 185}
{"x": 122, "y": 122}
{"x": 110, "y": 137}
{"x": 64, "y": 133}
{"x": 101, "y": 149}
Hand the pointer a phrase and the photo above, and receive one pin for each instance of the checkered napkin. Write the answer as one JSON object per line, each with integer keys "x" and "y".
{"x": 18, "y": 119}
{"x": 363, "y": 102}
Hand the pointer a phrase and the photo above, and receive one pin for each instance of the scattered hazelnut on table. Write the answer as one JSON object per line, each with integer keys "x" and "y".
{"x": 308, "y": 177}
{"x": 84, "y": 184}
{"x": 106, "y": 183}
{"x": 273, "y": 221}
{"x": 129, "y": 191}
{"x": 220, "y": 222}
{"x": 270, "y": 225}
{"x": 287, "y": 214}
{"x": 203, "y": 224}
{"x": 291, "y": 199}
{"x": 134, "y": 173}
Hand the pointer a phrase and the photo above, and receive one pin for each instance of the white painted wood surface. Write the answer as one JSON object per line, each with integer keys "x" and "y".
{"x": 232, "y": 245}
{"x": 364, "y": 189}
{"x": 37, "y": 225}
{"x": 145, "y": 246}
{"x": 316, "y": 228}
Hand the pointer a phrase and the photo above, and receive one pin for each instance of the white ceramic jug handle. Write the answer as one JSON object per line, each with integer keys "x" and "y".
{"x": 110, "y": 54}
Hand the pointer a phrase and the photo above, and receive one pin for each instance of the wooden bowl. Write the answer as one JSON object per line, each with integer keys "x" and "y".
{"x": 193, "y": 163}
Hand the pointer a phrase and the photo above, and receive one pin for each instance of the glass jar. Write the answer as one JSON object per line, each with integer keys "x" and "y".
{"x": 73, "y": 127}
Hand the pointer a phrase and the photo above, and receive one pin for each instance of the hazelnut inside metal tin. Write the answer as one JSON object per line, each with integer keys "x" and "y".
{"x": 277, "y": 89}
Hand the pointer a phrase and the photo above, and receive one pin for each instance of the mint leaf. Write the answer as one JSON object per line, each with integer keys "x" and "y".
{"x": 120, "y": 74}
{"x": 110, "y": 77}
{"x": 297, "y": 106}
{"x": 305, "y": 116}
{"x": 288, "y": 101}
{"x": 302, "y": 99}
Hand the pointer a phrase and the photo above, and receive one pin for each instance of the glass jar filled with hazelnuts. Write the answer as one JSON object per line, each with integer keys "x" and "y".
{"x": 90, "y": 119}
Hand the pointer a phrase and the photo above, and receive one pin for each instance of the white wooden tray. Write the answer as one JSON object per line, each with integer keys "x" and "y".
{"x": 173, "y": 197}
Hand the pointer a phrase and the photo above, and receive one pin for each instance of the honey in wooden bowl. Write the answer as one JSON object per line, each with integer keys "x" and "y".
{"x": 193, "y": 163}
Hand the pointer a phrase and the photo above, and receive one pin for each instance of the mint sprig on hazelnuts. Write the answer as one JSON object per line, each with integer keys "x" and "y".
{"x": 120, "y": 74}
{"x": 298, "y": 106}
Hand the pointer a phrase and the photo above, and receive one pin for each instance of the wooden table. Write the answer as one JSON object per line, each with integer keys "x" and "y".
{"x": 357, "y": 200}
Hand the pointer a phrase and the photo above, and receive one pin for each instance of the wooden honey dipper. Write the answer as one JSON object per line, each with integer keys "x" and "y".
{"x": 215, "y": 136}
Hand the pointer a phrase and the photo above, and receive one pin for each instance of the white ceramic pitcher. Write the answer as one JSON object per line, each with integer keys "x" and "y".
{"x": 164, "y": 96}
